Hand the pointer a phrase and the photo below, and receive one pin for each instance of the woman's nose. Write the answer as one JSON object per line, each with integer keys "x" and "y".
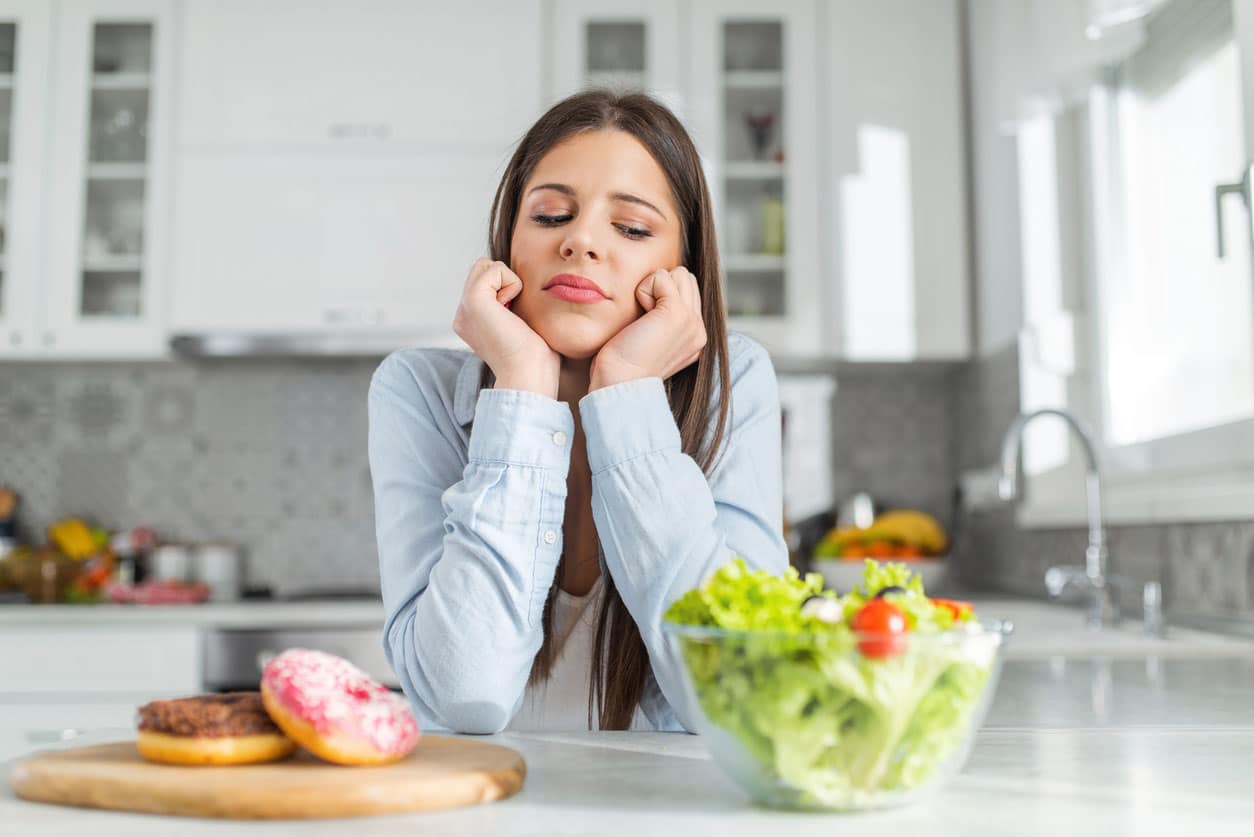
{"x": 579, "y": 242}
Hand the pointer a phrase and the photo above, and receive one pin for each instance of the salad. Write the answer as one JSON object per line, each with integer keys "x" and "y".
{"x": 842, "y": 699}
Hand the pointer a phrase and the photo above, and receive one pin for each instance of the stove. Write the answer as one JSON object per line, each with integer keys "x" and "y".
{"x": 235, "y": 657}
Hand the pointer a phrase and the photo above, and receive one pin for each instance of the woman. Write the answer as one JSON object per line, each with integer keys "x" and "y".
{"x": 541, "y": 501}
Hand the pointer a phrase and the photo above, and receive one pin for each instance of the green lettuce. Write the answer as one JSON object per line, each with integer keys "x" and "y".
{"x": 838, "y": 727}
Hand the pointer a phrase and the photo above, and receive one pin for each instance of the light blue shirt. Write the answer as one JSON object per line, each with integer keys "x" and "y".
{"x": 470, "y": 494}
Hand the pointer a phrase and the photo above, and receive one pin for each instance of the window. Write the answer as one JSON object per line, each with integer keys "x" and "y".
{"x": 1164, "y": 341}
{"x": 1176, "y": 338}
{"x": 1176, "y": 351}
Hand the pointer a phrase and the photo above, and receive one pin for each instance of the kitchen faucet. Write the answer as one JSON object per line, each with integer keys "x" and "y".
{"x": 1094, "y": 575}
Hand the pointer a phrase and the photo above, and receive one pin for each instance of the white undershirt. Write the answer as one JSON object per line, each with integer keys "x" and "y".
{"x": 561, "y": 702}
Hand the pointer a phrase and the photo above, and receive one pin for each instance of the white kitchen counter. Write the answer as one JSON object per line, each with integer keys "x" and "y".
{"x": 1086, "y": 746}
{"x": 244, "y": 614}
{"x": 1042, "y": 629}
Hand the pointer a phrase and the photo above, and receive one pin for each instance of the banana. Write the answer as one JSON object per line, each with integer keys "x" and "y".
{"x": 911, "y": 526}
{"x": 73, "y": 538}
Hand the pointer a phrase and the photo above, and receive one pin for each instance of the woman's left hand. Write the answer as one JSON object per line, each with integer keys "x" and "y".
{"x": 666, "y": 339}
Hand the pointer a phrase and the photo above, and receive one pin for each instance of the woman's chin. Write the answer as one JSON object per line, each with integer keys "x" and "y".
{"x": 574, "y": 337}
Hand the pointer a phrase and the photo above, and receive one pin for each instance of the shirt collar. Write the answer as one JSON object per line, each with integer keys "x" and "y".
{"x": 466, "y": 393}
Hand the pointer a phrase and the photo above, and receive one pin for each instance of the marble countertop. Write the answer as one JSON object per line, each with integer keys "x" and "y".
{"x": 1072, "y": 746}
{"x": 1042, "y": 630}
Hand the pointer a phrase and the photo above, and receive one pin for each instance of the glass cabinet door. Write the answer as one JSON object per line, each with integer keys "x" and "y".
{"x": 754, "y": 87}
{"x": 602, "y": 44}
{"x": 111, "y": 275}
{"x": 105, "y": 296}
{"x": 24, "y": 44}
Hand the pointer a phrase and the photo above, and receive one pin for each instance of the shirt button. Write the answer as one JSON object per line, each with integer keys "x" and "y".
{"x": 559, "y": 438}
{"x": 550, "y": 537}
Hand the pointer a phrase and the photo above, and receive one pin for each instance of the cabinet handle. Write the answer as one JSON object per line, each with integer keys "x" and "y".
{"x": 359, "y": 130}
{"x": 50, "y": 339}
{"x": 353, "y": 316}
{"x": 15, "y": 339}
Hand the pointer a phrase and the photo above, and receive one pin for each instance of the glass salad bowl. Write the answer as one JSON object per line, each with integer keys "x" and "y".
{"x": 834, "y": 702}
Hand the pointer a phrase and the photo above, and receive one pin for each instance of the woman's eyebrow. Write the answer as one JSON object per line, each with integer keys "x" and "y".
{"x": 624, "y": 197}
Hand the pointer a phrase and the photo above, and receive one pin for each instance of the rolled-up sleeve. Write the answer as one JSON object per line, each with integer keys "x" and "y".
{"x": 467, "y": 552}
{"x": 662, "y": 523}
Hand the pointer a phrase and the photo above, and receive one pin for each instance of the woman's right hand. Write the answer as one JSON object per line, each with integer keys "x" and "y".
{"x": 515, "y": 353}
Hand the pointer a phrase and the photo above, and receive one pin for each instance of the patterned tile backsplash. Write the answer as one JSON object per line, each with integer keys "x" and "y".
{"x": 272, "y": 455}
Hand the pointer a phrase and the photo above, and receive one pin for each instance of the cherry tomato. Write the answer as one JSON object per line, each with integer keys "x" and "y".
{"x": 884, "y": 625}
{"x": 957, "y": 608}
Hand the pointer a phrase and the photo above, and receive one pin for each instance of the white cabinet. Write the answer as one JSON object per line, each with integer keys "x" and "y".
{"x": 897, "y": 229}
{"x": 59, "y": 681}
{"x": 741, "y": 75}
{"x": 25, "y": 32}
{"x": 337, "y": 164}
{"x": 27, "y": 727}
{"x": 832, "y": 139}
{"x": 601, "y": 43}
{"x": 334, "y": 243}
{"x": 753, "y": 74}
{"x": 90, "y": 178}
{"x": 368, "y": 74}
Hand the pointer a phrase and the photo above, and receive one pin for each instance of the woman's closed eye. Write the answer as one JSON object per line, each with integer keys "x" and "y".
{"x": 625, "y": 229}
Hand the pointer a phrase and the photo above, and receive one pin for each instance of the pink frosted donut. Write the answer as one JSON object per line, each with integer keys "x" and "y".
{"x": 335, "y": 710}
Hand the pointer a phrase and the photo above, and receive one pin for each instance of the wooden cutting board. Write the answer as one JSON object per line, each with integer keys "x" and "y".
{"x": 442, "y": 772}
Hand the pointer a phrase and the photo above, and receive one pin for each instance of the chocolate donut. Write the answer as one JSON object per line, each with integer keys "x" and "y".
{"x": 230, "y": 728}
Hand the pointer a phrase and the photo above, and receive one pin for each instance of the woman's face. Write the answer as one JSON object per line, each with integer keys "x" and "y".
{"x": 597, "y": 206}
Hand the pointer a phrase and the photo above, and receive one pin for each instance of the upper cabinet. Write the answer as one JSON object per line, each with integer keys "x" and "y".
{"x": 367, "y": 74}
{"x": 107, "y": 266}
{"x": 754, "y": 79}
{"x": 25, "y": 32}
{"x": 598, "y": 43}
{"x": 88, "y": 173}
{"x": 895, "y": 234}
{"x": 741, "y": 75}
{"x": 337, "y": 164}
{"x": 832, "y": 139}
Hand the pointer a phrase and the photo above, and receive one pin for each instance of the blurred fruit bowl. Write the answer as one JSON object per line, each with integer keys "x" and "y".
{"x": 843, "y": 575}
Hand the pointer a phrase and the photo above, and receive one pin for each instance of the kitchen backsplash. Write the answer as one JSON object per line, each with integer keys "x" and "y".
{"x": 272, "y": 455}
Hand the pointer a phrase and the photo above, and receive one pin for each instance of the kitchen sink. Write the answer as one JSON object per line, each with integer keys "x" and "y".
{"x": 1044, "y": 629}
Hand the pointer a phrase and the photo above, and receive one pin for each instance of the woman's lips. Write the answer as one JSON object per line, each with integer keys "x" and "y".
{"x": 571, "y": 294}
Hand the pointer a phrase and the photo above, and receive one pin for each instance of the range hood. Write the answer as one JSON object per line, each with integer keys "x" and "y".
{"x": 364, "y": 343}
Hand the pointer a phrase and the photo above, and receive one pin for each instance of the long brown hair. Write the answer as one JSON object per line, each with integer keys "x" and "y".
{"x": 620, "y": 663}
